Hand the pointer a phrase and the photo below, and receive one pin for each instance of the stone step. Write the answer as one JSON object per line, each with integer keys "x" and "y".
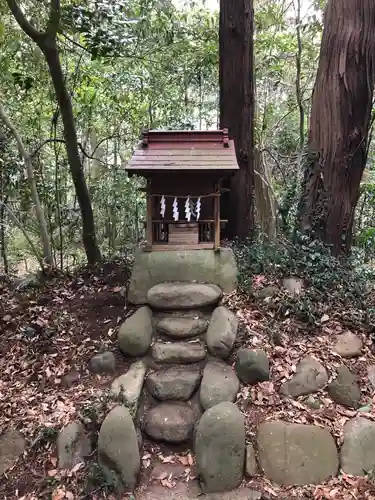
{"x": 175, "y": 383}
{"x": 172, "y": 422}
{"x": 181, "y": 326}
{"x": 172, "y": 296}
{"x": 178, "y": 352}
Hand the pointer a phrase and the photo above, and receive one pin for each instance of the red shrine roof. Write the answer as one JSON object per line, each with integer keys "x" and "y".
{"x": 187, "y": 150}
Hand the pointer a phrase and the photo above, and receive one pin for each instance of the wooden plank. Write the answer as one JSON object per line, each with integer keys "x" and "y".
{"x": 187, "y": 145}
{"x": 141, "y": 160}
{"x": 188, "y": 166}
{"x": 149, "y": 221}
{"x": 200, "y": 246}
{"x": 217, "y": 221}
{"x": 211, "y": 152}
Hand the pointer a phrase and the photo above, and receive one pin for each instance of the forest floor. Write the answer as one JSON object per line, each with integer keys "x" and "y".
{"x": 48, "y": 335}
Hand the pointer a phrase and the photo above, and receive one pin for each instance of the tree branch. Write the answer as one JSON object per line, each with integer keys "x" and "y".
{"x": 53, "y": 24}
{"x": 19, "y": 16}
{"x": 62, "y": 141}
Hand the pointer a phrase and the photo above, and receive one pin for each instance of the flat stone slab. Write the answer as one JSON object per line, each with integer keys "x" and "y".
{"x": 178, "y": 352}
{"x": 170, "y": 422}
{"x": 175, "y": 383}
{"x": 219, "y": 383}
{"x": 12, "y": 446}
{"x": 205, "y": 266}
{"x": 128, "y": 387}
{"x": 172, "y": 296}
{"x": 357, "y": 453}
{"x": 182, "y": 327}
{"x": 296, "y": 454}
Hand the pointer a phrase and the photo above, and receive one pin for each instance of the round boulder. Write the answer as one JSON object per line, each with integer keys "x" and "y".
{"x": 358, "y": 450}
{"x": 72, "y": 445}
{"x": 170, "y": 422}
{"x": 170, "y": 296}
{"x": 344, "y": 390}
{"x": 135, "y": 334}
{"x": 222, "y": 332}
{"x": 310, "y": 376}
{"x": 219, "y": 384}
{"x": 118, "y": 446}
{"x": 252, "y": 366}
{"x": 104, "y": 362}
{"x": 348, "y": 345}
{"x": 296, "y": 454}
{"x": 220, "y": 448}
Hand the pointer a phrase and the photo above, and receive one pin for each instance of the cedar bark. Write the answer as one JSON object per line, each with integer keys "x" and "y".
{"x": 47, "y": 43}
{"x": 339, "y": 123}
{"x": 237, "y": 108}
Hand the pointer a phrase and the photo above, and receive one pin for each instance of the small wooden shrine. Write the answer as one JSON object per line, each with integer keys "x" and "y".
{"x": 184, "y": 172}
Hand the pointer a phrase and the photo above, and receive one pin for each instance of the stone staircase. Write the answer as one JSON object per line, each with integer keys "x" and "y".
{"x": 187, "y": 335}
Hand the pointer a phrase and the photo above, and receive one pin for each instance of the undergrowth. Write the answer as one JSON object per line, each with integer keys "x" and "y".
{"x": 333, "y": 286}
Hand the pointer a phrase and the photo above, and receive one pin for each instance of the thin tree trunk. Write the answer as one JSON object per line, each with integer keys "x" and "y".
{"x": 3, "y": 245}
{"x": 47, "y": 44}
{"x": 237, "y": 108}
{"x": 44, "y": 238}
{"x": 339, "y": 124}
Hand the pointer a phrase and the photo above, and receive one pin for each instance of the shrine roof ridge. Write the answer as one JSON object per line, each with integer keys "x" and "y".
{"x": 183, "y": 150}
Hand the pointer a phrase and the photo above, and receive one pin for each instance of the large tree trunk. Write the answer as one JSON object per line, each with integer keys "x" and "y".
{"x": 237, "y": 107}
{"x": 339, "y": 123}
{"x": 47, "y": 43}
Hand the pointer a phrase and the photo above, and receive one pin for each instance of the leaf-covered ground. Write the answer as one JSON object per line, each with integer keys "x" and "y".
{"x": 48, "y": 336}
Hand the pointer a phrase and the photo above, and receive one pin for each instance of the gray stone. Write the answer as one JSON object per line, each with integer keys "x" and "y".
{"x": 293, "y": 285}
{"x": 171, "y": 296}
{"x": 344, "y": 390}
{"x": 118, "y": 446}
{"x": 371, "y": 375}
{"x": 181, "y": 327}
{"x": 175, "y": 383}
{"x": 312, "y": 402}
{"x": 348, "y": 345}
{"x": 12, "y": 446}
{"x": 128, "y": 387}
{"x": 208, "y": 266}
{"x": 183, "y": 491}
{"x": 357, "y": 453}
{"x": 71, "y": 378}
{"x": 296, "y": 454}
{"x": 267, "y": 292}
{"x": 310, "y": 376}
{"x": 104, "y": 362}
{"x": 252, "y": 366}
{"x": 135, "y": 334}
{"x": 219, "y": 384}
{"x": 251, "y": 461}
{"x": 73, "y": 446}
{"x": 171, "y": 422}
{"x": 220, "y": 448}
{"x": 222, "y": 332}
{"x": 178, "y": 352}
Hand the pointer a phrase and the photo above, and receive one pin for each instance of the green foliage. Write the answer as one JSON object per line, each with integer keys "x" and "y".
{"x": 101, "y": 478}
{"x": 329, "y": 283}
